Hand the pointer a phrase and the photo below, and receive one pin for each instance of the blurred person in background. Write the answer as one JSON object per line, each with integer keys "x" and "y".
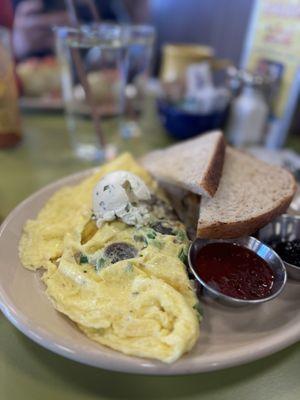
{"x": 34, "y": 20}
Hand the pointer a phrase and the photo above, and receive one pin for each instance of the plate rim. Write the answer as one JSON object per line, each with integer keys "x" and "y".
{"x": 266, "y": 346}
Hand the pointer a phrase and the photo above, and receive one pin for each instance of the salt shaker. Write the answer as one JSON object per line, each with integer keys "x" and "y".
{"x": 249, "y": 113}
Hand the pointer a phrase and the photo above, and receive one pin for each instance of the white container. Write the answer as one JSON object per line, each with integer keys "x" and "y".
{"x": 248, "y": 117}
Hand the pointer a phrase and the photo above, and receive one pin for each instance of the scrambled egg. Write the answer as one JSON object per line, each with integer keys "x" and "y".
{"x": 126, "y": 287}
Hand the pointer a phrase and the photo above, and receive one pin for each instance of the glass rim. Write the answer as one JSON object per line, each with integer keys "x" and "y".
{"x": 147, "y": 28}
{"x": 89, "y": 35}
{"x": 95, "y": 28}
{"x": 85, "y": 28}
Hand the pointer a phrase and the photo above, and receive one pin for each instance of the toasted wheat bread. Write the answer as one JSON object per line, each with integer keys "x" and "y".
{"x": 195, "y": 165}
{"x": 250, "y": 194}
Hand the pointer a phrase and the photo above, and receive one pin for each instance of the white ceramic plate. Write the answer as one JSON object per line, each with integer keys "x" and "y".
{"x": 229, "y": 336}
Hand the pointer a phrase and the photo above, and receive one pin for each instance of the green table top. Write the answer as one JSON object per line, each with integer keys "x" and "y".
{"x": 28, "y": 371}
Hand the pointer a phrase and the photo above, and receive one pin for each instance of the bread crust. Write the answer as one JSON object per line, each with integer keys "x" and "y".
{"x": 223, "y": 230}
{"x": 213, "y": 174}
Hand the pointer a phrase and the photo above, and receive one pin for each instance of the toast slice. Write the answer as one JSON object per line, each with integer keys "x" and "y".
{"x": 250, "y": 194}
{"x": 195, "y": 165}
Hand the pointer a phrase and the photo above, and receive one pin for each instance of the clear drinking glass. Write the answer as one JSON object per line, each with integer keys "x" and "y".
{"x": 93, "y": 64}
{"x": 140, "y": 41}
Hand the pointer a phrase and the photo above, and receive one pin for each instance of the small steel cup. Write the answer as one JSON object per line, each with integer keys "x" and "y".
{"x": 262, "y": 250}
{"x": 284, "y": 228}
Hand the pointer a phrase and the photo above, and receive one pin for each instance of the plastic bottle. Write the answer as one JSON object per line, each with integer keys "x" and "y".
{"x": 248, "y": 115}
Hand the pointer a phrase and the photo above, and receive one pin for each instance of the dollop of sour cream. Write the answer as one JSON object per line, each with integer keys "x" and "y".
{"x": 120, "y": 194}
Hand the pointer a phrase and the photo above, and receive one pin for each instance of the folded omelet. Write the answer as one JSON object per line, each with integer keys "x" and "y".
{"x": 125, "y": 286}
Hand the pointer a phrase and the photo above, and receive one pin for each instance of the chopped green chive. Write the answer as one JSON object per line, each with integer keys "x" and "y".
{"x": 182, "y": 256}
{"x": 83, "y": 259}
{"x": 100, "y": 263}
{"x": 198, "y": 308}
{"x": 151, "y": 234}
{"x": 181, "y": 236}
{"x": 157, "y": 243}
{"x": 129, "y": 267}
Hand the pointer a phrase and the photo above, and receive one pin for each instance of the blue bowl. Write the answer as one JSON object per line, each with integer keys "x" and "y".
{"x": 182, "y": 124}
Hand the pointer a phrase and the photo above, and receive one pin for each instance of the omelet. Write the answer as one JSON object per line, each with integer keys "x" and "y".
{"x": 125, "y": 286}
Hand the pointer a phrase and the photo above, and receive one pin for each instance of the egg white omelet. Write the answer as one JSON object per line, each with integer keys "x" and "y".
{"x": 125, "y": 287}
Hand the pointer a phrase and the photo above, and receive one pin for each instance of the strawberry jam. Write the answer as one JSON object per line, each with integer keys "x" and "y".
{"x": 234, "y": 271}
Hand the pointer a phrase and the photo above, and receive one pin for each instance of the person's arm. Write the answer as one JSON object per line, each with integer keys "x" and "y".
{"x": 138, "y": 10}
{"x": 32, "y": 30}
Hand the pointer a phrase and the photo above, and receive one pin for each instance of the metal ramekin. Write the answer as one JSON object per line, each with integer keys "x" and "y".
{"x": 284, "y": 228}
{"x": 265, "y": 252}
